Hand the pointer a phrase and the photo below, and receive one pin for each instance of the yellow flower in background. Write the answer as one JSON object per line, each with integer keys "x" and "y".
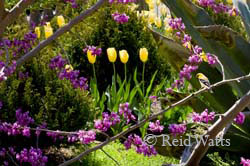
{"x": 158, "y": 2}
{"x": 187, "y": 45}
{"x": 91, "y": 57}
{"x": 163, "y": 10}
{"x": 151, "y": 17}
{"x": 60, "y": 21}
{"x": 230, "y": 2}
{"x": 112, "y": 55}
{"x": 203, "y": 56}
{"x": 158, "y": 22}
{"x": 143, "y": 55}
{"x": 123, "y": 56}
{"x": 38, "y": 32}
{"x": 151, "y": 5}
{"x": 48, "y": 30}
{"x": 169, "y": 30}
{"x": 69, "y": 68}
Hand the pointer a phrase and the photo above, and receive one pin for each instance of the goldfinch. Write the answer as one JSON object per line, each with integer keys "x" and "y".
{"x": 203, "y": 81}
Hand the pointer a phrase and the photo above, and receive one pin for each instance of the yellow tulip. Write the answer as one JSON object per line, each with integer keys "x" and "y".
{"x": 91, "y": 57}
{"x": 123, "y": 56}
{"x": 38, "y": 32}
{"x": 60, "y": 21}
{"x": 112, "y": 55}
{"x": 48, "y": 31}
{"x": 144, "y": 54}
{"x": 158, "y": 22}
{"x": 69, "y": 68}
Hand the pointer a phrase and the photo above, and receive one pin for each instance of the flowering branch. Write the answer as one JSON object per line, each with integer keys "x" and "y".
{"x": 13, "y": 14}
{"x": 154, "y": 116}
{"x": 201, "y": 149}
{"x": 60, "y": 32}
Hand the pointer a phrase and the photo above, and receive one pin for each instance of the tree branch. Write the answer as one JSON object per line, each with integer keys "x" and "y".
{"x": 14, "y": 13}
{"x": 60, "y": 32}
{"x": 2, "y": 9}
{"x": 154, "y": 116}
{"x": 201, "y": 149}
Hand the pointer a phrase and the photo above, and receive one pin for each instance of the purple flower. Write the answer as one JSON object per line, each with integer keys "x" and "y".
{"x": 156, "y": 127}
{"x": 203, "y": 117}
{"x": 107, "y": 121}
{"x": 195, "y": 59}
{"x": 177, "y": 129}
{"x": 140, "y": 146}
{"x": 186, "y": 71}
{"x": 169, "y": 90}
{"x": 57, "y": 63}
{"x": 94, "y": 50}
{"x": 245, "y": 162}
{"x": 33, "y": 156}
{"x": 211, "y": 59}
{"x": 240, "y": 118}
{"x": 23, "y": 118}
{"x": 120, "y": 18}
{"x": 86, "y": 137}
{"x": 26, "y": 132}
{"x": 126, "y": 112}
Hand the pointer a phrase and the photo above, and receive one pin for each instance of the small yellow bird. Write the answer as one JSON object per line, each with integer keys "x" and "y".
{"x": 203, "y": 81}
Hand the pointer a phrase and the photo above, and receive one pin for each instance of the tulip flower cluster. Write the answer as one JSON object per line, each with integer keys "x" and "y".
{"x": 141, "y": 147}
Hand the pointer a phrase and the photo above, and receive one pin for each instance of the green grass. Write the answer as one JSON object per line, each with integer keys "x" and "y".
{"x": 123, "y": 157}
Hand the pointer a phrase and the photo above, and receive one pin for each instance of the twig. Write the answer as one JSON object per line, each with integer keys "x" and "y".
{"x": 222, "y": 68}
{"x": 201, "y": 149}
{"x": 117, "y": 163}
{"x": 60, "y": 32}
{"x": 154, "y": 116}
{"x": 6, "y": 52}
{"x": 11, "y": 158}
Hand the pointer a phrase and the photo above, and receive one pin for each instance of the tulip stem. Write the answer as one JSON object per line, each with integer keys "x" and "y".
{"x": 125, "y": 66}
{"x": 114, "y": 76}
{"x": 93, "y": 66}
{"x": 143, "y": 82}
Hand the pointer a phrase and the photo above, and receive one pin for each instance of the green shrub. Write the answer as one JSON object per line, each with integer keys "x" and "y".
{"x": 46, "y": 97}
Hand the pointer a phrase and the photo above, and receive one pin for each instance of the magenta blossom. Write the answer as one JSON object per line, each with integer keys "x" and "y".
{"x": 240, "y": 118}
{"x": 120, "y": 18}
{"x": 245, "y": 162}
{"x": 156, "y": 127}
{"x": 177, "y": 129}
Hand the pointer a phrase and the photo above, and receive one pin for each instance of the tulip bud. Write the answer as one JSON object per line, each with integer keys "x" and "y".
{"x": 158, "y": 2}
{"x": 38, "y": 32}
{"x": 144, "y": 54}
{"x": 68, "y": 68}
{"x": 60, "y": 21}
{"x": 151, "y": 17}
{"x": 124, "y": 56}
{"x": 91, "y": 57}
{"x": 163, "y": 10}
{"x": 112, "y": 55}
